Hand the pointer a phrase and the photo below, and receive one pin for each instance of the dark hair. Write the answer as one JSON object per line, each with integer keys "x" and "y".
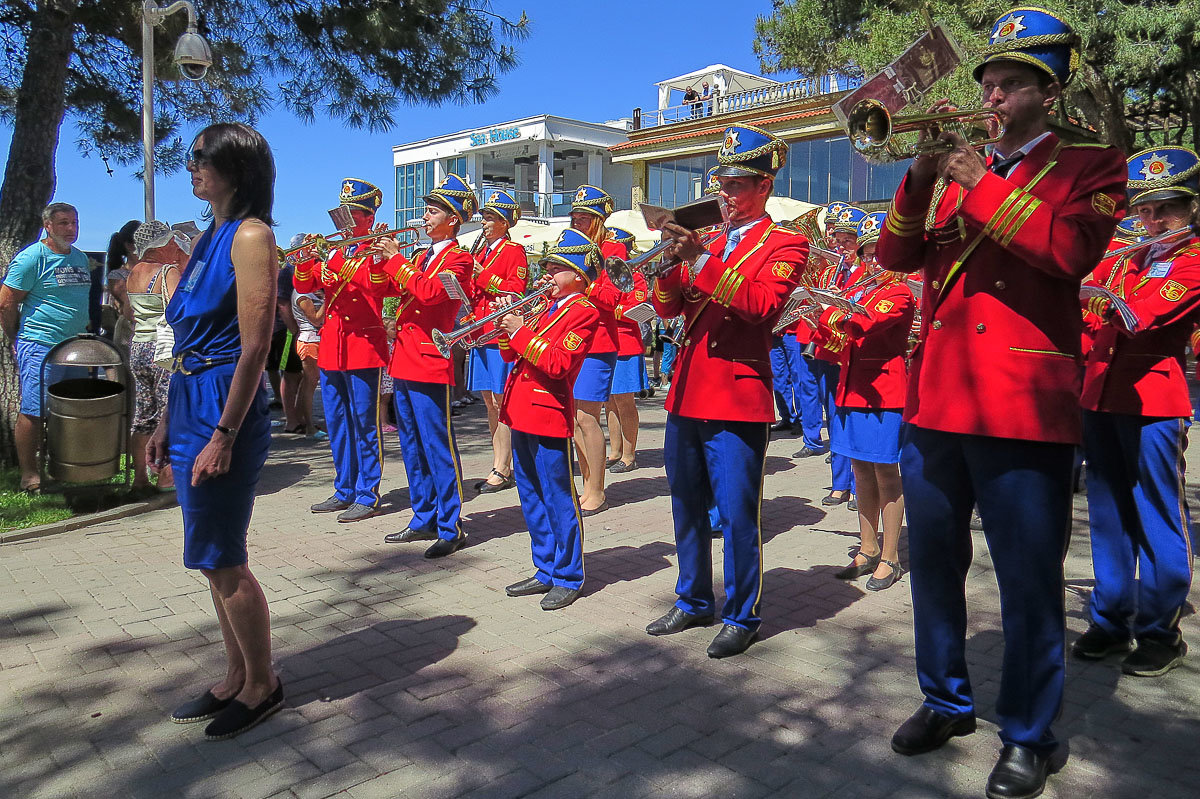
{"x": 241, "y": 155}
{"x": 118, "y": 255}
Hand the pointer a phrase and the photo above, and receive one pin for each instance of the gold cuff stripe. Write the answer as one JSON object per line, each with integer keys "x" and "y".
{"x": 1026, "y": 212}
{"x": 901, "y": 225}
{"x": 720, "y": 292}
{"x": 1001, "y": 228}
{"x": 731, "y": 289}
{"x": 1002, "y": 212}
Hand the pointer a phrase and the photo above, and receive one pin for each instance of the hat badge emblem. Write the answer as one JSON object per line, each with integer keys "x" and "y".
{"x": 1009, "y": 28}
{"x": 495, "y": 198}
{"x": 1156, "y": 166}
{"x": 347, "y": 189}
{"x": 581, "y": 195}
{"x": 731, "y": 142}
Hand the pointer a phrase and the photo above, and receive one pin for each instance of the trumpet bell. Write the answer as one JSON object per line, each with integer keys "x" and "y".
{"x": 869, "y": 125}
{"x": 878, "y": 135}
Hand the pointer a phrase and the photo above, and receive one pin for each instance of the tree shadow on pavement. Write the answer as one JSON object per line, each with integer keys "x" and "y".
{"x": 797, "y": 599}
{"x": 606, "y": 567}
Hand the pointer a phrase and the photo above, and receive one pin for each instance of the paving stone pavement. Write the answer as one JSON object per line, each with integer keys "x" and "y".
{"x": 409, "y": 677}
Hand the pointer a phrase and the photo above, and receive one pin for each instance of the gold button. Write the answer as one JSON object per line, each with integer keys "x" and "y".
{"x": 347, "y": 318}
{"x": 1111, "y": 350}
{"x": 728, "y": 318}
{"x": 1000, "y": 284}
{"x": 687, "y": 342}
{"x": 937, "y": 324}
{"x": 936, "y": 284}
{"x": 980, "y": 328}
{"x": 712, "y": 343}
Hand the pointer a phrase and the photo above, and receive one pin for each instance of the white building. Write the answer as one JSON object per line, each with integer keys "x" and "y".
{"x": 540, "y": 159}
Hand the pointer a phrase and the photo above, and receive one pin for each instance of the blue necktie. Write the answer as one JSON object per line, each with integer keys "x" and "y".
{"x": 731, "y": 243}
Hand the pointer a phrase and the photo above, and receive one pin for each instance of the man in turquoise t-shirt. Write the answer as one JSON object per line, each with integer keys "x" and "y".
{"x": 44, "y": 300}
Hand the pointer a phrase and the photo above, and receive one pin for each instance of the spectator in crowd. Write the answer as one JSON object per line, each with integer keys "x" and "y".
{"x": 309, "y": 312}
{"x": 44, "y": 301}
{"x": 151, "y": 281}
{"x": 706, "y": 97}
{"x": 284, "y": 369}
{"x": 117, "y": 261}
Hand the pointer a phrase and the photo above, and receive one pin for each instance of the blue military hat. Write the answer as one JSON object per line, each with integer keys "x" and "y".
{"x": 1161, "y": 173}
{"x": 454, "y": 194}
{"x": 620, "y": 236}
{"x": 504, "y": 205}
{"x": 593, "y": 201}
{"x": 748, "y": 151}
{"x": 869, "y": 227}
{"x": 832, "y": 212}
{"x": 1129, "y": 229}
{"x": 847, "y": 220}
{"x": 712, "y": 181}
{"x": 577, "y": 251}
{"x": 360, "y": 194}
{"x": 1036, "y": 37}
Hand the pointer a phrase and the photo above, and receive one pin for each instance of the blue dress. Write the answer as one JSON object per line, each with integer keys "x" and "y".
{"x": 203, "y": 315}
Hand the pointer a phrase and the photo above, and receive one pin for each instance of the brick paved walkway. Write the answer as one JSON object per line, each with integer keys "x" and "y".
{"x": 420, "y": 678}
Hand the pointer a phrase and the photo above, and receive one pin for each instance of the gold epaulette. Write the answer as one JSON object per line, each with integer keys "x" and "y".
{"x": 1088, "y": 145}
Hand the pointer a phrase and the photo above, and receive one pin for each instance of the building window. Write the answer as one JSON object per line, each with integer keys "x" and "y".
{"x": 457, "y": 166}
{"x": 413, "y": 182}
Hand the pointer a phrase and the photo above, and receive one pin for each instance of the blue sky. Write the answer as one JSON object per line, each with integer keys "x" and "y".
{"x": 585, "y": 62}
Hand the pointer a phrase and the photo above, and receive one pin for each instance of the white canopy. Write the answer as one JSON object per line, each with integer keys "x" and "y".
{"x": 721, "y": 79}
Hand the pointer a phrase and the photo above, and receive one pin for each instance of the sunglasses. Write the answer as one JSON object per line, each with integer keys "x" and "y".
{"x": 198, "y": 158}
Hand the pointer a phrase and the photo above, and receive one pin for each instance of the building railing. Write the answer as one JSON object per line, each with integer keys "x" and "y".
{"x": 741, "y": 101}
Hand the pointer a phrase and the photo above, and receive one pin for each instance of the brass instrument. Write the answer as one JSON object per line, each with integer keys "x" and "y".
{"x": 874, "y": 131}
{"x": 525, "y": 306}
{"x": 1170, "y": 234}
{"x": 621, "y": 272}
{"x": 324, "y": 247}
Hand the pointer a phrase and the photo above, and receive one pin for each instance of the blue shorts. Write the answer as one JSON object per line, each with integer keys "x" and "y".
{"x": 595, "y": 380}
{"x": 487, "y": 371}
{"x": 629, "y": 376}
{"x": 30, "y": 357}
{"x": 216, "y": 513}
{"x": 868, "y": 435}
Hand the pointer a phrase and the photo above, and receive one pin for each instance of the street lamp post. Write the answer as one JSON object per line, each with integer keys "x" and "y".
{"x": 193, "y": 58}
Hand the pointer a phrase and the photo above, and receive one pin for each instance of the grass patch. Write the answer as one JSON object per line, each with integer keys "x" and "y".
{"x": 18, "y": 509}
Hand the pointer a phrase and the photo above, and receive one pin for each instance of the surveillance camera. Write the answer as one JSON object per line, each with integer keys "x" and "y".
{"x": 192, "y": 56}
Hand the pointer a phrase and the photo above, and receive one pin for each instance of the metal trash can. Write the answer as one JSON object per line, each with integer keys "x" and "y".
{"x": 87, "y": 418}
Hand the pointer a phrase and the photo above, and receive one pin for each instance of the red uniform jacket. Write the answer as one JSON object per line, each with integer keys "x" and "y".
{"x": 424, "y": 307}
{"x": 723, "y": 370}
{"x": 1106, "y": 274}
{"x": 830, "y": 342}
{"x": 538, "y": 398}
{"x": 999, "y": 353}
{"x": 504, "y": 269}
{"x": 874, "y": 373}
{"x": 353, "y": 336}
{"x": 605, "y": 296}
{"x": 1142, "y": 373}
{"x": 629, "y": 332}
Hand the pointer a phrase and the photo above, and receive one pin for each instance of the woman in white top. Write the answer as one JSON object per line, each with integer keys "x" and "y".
{"x": 150, "y": 284}
{"x": 309, "y": 310}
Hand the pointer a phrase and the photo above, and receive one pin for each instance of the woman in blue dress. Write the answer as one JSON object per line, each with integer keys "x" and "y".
{"x": 216, "y": 430}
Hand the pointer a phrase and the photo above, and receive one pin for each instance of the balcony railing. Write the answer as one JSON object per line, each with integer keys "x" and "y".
{"x": 738, "y": 101}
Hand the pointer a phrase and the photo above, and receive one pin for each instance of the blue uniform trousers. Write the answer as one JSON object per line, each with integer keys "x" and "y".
{"x": 667, "y": 365}
{"x": 1140, "y": 523}
{"x": 781, "y": 381}
{"x": 430, "y": 456}
{"x": 721, "y": 461}
{"x": 1023, "y": 490}
{"x": 827, "y": 375}
{"x": 808, "y": 399}
{"x": 542, "y": 467}
{"x": 351, "y": 402}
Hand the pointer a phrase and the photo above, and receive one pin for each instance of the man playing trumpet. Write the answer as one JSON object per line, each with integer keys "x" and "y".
{"x": 992, "y": 409}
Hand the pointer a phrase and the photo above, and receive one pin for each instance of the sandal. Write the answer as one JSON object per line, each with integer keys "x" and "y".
{"x": 33, "y": 489}
{"x": 879, "y": 584}
{"x": 856, "y": 570}
{"x": 484, "y": 487}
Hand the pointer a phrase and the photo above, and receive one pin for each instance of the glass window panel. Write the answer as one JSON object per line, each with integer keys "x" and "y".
{"x": 839, "y": 169}
{"x": 819, "y": 187}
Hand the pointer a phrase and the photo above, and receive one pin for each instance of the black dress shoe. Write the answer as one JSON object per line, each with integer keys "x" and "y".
{"x": 237, "y": 717}
{"x": 884, "y": 583}
{"x": 1153, "y": 658}
{"x": 603, "y": 506}
{"x": 559, "y": 597}
{"x": 852, "y": 504}
{"x": 1098, "y": 643}
{"x": 927, "y": 729}
{"x": 677, "y": 620}
{"x": 620, "y": 467}
{"x": 856, "y": 570}
{"x": 484, "y": 487}
{"x": 808, "y": 452}
{"x": 779, "y": 427}
{"x": 202, "y": 709}
{"x": 830, "y": 499}
{"x": 446, "y": 546}
{"x": 1020, "y": 773}
{"x": 330, "y": 505}
{"x": 732, "y": 640}
{"x": 408, "y": 535}
{"x": 527, "y": 587}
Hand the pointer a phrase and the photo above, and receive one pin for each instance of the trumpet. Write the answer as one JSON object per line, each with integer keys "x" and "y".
{"x": 1169, "y": 235}
{"x": 324, "y": 247}
{"x": 873, "y": 131}
{"x": 621, "y": 272}
{"x": 525, "y": 306}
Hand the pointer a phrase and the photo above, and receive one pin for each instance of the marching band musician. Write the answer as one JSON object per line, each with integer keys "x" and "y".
{"x": 501, "y": 268}
{"x": 352, "y": 353}
{"x": 841, "y": 229}
{"x": 1136, "y": 412}
{"x": 423, "y": 377}
{"x": 629, "y": 375}
{"x": 593, "y": 386}
{"x": 538, "y": 405}
{"x": 719, "y": 407}
{"x": 870, "y": 399}
{"x": 992, "y": 406}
